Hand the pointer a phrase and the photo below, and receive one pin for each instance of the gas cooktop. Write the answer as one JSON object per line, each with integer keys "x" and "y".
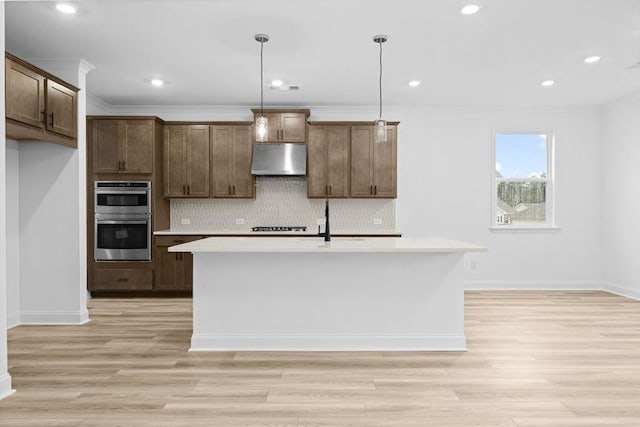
{"x": 296, "y": 228}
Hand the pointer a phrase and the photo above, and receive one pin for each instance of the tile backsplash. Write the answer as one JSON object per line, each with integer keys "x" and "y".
{"x": 282, "y": 201}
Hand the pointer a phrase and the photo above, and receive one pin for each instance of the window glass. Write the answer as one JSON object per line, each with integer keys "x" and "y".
{"x": 522, "y": 180}
{"x": 521, "y": 155}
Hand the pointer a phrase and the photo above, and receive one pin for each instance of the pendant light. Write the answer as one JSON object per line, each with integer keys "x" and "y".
{"x": 380, "y": 125}
{"x": 261, "y": 121}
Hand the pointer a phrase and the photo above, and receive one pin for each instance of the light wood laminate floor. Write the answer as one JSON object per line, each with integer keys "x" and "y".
{"x": 535, "y": 359}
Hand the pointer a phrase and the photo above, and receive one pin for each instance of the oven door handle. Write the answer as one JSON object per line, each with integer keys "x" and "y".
{"x": 121, "y": 193}
{"x": 99, "y": 221}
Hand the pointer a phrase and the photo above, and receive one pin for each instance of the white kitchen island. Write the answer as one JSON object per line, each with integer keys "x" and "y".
{"x": 348, "y": 294}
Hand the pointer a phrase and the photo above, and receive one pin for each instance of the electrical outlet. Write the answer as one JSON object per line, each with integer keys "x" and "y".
{"x": 377, "y": 221}
{"x": 320, "y": 221}
{"x": 473, "y": 264}
{"x": 239, "y": 221}
{"x": 185, "y": 221}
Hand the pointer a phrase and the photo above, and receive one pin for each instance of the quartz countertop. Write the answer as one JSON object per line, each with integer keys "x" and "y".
{"x": 249, "y": 233}
{"x": 338, "y": 245}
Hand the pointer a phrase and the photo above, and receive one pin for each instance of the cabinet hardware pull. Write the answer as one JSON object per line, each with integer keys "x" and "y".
{"x": 184, "y": 190}
{"x": 42, "y": 116}
{"x": 329, "y": 189}
{"x": 124, "y": 165}
{"x": 375, "y": 190}
{"x": 178, "y": 241}
{"x": 51, "y": 119}
{"x": 123, "y": 279}
{"x": 229, "y": 192}
{"x": 371, "y": 189}
{"x": 188, "y": 189}
{"x": 234, "y": 189}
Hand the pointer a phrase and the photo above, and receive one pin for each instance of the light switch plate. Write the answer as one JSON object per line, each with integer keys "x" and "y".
{"x": 185, "y": 221}
{"x": 239, "y": 221}
{"x": 377, "y": 221}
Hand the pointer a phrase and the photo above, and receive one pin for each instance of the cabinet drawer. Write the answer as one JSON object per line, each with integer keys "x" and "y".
{"x": 123, "y": 279}
{"x": 175, "y": 240}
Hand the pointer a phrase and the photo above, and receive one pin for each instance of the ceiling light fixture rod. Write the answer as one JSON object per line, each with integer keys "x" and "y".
{"x": 262, "y": 39}
{"x": 380, "y": 125}
{"x": 261, "y": 122}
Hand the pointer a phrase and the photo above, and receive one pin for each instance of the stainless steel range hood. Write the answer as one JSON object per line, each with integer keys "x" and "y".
{"x": 280, "y": 159}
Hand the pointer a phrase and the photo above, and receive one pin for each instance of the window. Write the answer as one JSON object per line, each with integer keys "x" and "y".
{"x": 523, "y": 180}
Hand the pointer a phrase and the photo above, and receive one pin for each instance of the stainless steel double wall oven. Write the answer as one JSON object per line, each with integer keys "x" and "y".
{"x": 122, "y": 229}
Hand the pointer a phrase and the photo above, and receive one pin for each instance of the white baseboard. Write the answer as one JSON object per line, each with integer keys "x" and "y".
{"x": 318, "y": 342}
{"x": 13, "y": 320}
{"x": 5, "y": 386}
{"x": 622, "y": 291}
{"x": 533, "y": 285}
{"x": 54, "y": 317}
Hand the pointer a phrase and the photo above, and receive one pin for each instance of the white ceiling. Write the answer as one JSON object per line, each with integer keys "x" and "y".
{"x": 206, "y": 50}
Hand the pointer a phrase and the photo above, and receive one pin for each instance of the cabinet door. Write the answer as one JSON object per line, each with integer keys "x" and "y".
{"x": 24, "y": 94}
{"x": 137, "y": 146}
{"x": 167, "y": 267}
{"x": 243, "y": 181}
{"x": 175, "y": 155}
{"x": 361, "y": 161}
{"x": 273, "y": 127}
{"x": 105, "y": 136}
{"x": 293, "y": 127}
{"x": 62, "y": 116}
{"x": 221, "y": 161}
{"x": 338, "y": 161}
{"x": 198, "y": 161}
{"x": 318, "y": 162}
{"x": 385, "y": 166}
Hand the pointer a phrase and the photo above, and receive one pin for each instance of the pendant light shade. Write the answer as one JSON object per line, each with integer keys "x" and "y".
{"x": 262, "y": 124}
{"x": 380, "y": 124}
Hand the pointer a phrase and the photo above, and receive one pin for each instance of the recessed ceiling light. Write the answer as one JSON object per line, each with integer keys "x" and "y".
{"x": 548, "y": 83}
{"x": 591, "y": 59}
{"x": 157, "y": 82}
{"x": 276, "y": 83}
{"x": 470, "y": 9}
{"x": 66, "y": 8}
{"x": 414, "y": 83}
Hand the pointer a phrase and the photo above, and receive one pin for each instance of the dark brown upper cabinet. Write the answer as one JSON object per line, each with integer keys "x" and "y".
{"x": 62, "y": 114}
{"x": 39, "y": 106}
{"x": 285, "y": 125}
{"x": 328, "y": 161}
{"x": 123, "y": 146}
{"x": 373, "y": 165}
{"x": 186, "y": 161}
{"x": 231, "y": 151}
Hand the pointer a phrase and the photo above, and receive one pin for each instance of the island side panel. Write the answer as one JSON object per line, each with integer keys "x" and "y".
{"x": 328, "y": 301}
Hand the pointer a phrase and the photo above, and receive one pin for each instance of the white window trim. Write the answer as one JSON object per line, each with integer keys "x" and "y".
{"x": 550, "y": 224}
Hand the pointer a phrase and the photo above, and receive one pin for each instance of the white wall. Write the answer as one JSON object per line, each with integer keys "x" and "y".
{"x": 13, "y": 235}
{"x": 445, "y": 170}
{"x": 621, "y": 198}
{"x": 444, "y": 173}
{"x": 49, "y": 253}
{"x": 5, "y": 378}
